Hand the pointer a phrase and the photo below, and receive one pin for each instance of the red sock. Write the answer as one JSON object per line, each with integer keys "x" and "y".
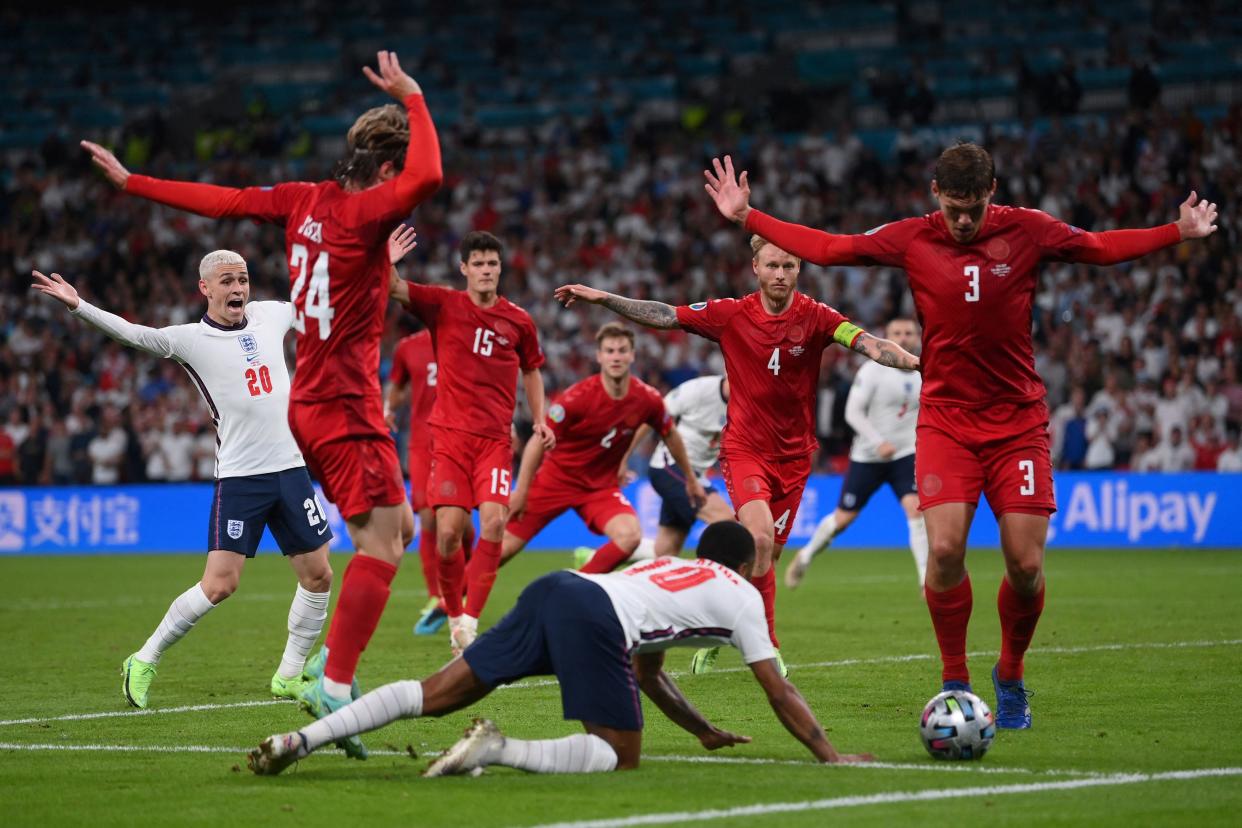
{"x": 452, "y": 576}
{"x": 607, "y": 558}
{"x": 481, "y": 575}
{"x": 950, "y": 613}
{"x": 1018, "y": 616}
{"x": 364, "y": 593}
{"x": 429, "y": 559}
{"x": 766, "y": 584}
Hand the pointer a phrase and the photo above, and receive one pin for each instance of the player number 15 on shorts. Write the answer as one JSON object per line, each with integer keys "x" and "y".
{"x": 500, "y": 482}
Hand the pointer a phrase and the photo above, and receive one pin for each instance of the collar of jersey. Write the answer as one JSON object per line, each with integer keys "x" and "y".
{"x": 213, "y": 323}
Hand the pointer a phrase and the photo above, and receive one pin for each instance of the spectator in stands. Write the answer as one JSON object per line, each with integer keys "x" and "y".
{"x": 1174, "y": 454}
{"x": 1230, "y": 459}
{"x": 107, "y": 450}
{"x": 1069, "y": 431}
{"x": 1101, "y": 432}
{"x": 8, "y": 459}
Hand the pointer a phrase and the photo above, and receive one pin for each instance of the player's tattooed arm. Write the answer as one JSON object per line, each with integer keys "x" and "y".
{"x": 644, "y": 312}
{"x": 885, "y": 352}
{"x": 664, "y": 692}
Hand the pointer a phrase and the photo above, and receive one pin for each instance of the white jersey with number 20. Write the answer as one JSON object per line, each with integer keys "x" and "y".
{"x": 672, "y": 602}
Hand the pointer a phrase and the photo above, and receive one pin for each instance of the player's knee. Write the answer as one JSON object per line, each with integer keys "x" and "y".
{"x": 219, "y": 588}
{"x": 1025, "y": 574}
{"x": 628, "y": 538}
{"x": 492, "y": 527}
{"x": 946, "y": 549}
{"x": 317, "y": 579}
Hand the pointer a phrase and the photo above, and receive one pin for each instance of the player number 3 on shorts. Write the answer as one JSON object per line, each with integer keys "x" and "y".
{"x": 1027, "y": 467}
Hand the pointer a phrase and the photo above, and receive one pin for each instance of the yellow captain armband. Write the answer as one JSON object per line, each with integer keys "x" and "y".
{"x": 846, "y": 333}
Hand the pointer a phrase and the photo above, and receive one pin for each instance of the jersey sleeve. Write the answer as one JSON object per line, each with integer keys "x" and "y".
{"x": 861, "y": 392}
{"x": 563, "y": 413}
{"x": 658, "y": 416}
{"x": 530, "y": 354}
{"x": 1060, "y": 241}
{"x": 675, "y": 402}
{"x": 373, "y": 212}
{"x": 272, "y": 204}
{"x": 707, "y": 319}
{"x": 836, "y": 326}
{"x": 750, "y": 632}
{"x": 160, "y": 342}
{"x": 885, "y": 245}
{"x": 426, "y": 301}
{"x": 279, "y": 313}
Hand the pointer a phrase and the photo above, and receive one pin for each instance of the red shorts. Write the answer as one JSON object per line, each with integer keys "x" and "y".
{"x": 1003, "y": 451}
{"x": 420, "y": 471}
{"x": 350, "y": 452}
{"x": 467, "y": 469}
{"x": 547, "y": 500}
{"x": 777, "y": 482}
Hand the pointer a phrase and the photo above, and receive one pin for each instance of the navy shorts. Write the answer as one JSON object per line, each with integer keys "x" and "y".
{"x": 676, "y": 510}
{"x": 863, "y": 479}
{"x": 564, "y": 625}
{"x": 282, "y": 501}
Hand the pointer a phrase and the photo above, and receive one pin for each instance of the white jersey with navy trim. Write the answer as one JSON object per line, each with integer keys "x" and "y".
{"x": 699, "y": 408}
{"x": 241, "y": 373}
{"x": 672, "y": 602}
{"x": 882, "y": 407}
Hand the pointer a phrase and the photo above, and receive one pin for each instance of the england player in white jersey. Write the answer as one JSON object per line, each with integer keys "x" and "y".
{"x": 235, "y": 357}
{"x": 603, "y": 637}
{"x": 883, "y": 409}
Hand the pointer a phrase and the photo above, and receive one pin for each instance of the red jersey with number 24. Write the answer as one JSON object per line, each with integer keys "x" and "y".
{"x": 593, "y": 430}
{"x": 414, "y": 363}
{"x": 773, "y": 367}
{"x": 479, "y": 352}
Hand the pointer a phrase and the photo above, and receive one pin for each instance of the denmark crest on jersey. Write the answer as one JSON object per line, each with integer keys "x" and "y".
{"x": 248, "y": 343}
{"x": 235, "y": 529}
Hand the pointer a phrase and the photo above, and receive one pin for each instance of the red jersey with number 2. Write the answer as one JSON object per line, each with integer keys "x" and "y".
{"x": 773, "y": 367}
{"x": 594, "y": 430}
{"x": 480, "y": 352}
{"x": 414, "y": 364}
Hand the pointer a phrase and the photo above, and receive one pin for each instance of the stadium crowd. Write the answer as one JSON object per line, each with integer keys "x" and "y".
{"x": 1142, "y": 361}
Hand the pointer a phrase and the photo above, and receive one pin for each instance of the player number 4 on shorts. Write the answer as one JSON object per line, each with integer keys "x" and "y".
{"x": 972, "y": 271}
{"x": 774, "y": 364}
{"x": 318, "y": 303}
{"x": 1027, "y": 467}
{"x": 500, "y": 481}
{"x": 781, "y": 522}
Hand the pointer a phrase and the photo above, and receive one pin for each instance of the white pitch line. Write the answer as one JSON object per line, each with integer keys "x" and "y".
{"x": 844, "y": 662}
{"x": 894, "y": 798}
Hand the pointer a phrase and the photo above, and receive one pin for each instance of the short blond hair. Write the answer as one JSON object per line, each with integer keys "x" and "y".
{"x": 216, "y": 259}
{"x": 758, "y": 242}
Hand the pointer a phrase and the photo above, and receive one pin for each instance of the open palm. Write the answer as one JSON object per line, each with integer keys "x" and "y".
{"x": 730, "y": 192}
{"x": 1196, "y": 221}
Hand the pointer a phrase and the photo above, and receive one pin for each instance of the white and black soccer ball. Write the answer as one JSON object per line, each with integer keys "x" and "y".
{"x": 957, "y": 725}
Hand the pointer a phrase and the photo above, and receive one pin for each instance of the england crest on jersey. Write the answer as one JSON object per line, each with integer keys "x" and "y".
{"x": 248, "y": 343}
{"x": 235, "y": 528}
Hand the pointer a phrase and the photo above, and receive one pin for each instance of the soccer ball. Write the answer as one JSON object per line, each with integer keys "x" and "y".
{"x": 957, "y": 725}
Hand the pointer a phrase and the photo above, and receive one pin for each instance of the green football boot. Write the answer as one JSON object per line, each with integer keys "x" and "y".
{"x": 288, "y": 688}
{"x": 582, "y": 555}
{"x": 315, "y": 701}
{"x": 704, "y": 660}
{"x": 136, "y": 680}
{"x": 314, "y": 671}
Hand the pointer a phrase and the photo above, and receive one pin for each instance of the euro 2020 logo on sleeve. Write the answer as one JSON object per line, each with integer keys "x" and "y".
{"x": 235, "y": 529}
{"x": 698, "y": 306}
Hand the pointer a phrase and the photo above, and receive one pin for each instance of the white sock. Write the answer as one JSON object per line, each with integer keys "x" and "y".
{"x": 306, "y": 616}
{"x": 336, "y": 689}
{"x": 399, "y": 700}
{"x": 824, "y": 533}
{"x": 181, "y": 617}
{"x": 580, "y": 753}
{"x": 644, "y": 552}
{"x": 918, "y": 546}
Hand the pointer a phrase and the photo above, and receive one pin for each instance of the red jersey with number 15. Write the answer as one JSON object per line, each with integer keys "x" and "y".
{"x": 414, "y": 363}
{"x": 773, "y": 367}
{"x": 479, "y": 352}
{"x": 594, "y": 430}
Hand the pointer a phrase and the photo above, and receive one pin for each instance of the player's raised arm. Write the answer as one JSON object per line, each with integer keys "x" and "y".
{"x": 1058, "y": 240}
{"x": 731, "y": 193}
{"x": 664, "y": 692}
{"x": 645, "y": 312}
{"x": 151, "y": 340}
{"x": 797, "y": 717}
{"x": 400, "y": 242}
{"x": 885, "y": 352}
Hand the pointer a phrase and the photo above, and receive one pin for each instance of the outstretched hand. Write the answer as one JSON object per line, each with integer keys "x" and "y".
{"x": 1196, "y": 221}
{"x": 401, "y": 241}
{"x": 56, "y": 287}
{"x": 391, "y": 77}
{"x": 568, "y": 294}
{"x": 107, "y": 162}
{"x": 731, "y": 193}
{"x": 716, "y": 738}
{"x": 852, "y": 758}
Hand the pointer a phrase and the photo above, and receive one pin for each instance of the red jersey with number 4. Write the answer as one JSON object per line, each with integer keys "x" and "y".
{"x": 974, "y": 300}
{"x": 773, "y": 367}
{"x": 481, "y": 351}
{"x": 414, "y": 364}
{"x": 594, "y": 430}
{"x": 336, "y": 243}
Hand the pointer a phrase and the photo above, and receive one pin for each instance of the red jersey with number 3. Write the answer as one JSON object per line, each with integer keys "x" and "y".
{"x": 773, "y": 367}
{"x": 594, "y": 430}
{"x": 480, "y": 352}
{"x": 414, "y": 364}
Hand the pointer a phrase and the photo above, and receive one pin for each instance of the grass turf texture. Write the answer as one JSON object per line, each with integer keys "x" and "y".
{"x": 67, "y": 623}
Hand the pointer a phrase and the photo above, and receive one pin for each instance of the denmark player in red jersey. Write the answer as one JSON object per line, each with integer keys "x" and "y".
{"x": 772, "y": 341}
{"x": 594, "y": 423}
{"x": 983, "y": 424}
{"x": 336, "y": 236}
{"x": 482, "y": 341}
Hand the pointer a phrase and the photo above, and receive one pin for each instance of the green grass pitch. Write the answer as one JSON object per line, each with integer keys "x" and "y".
{"x": 1136, "y": 667}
